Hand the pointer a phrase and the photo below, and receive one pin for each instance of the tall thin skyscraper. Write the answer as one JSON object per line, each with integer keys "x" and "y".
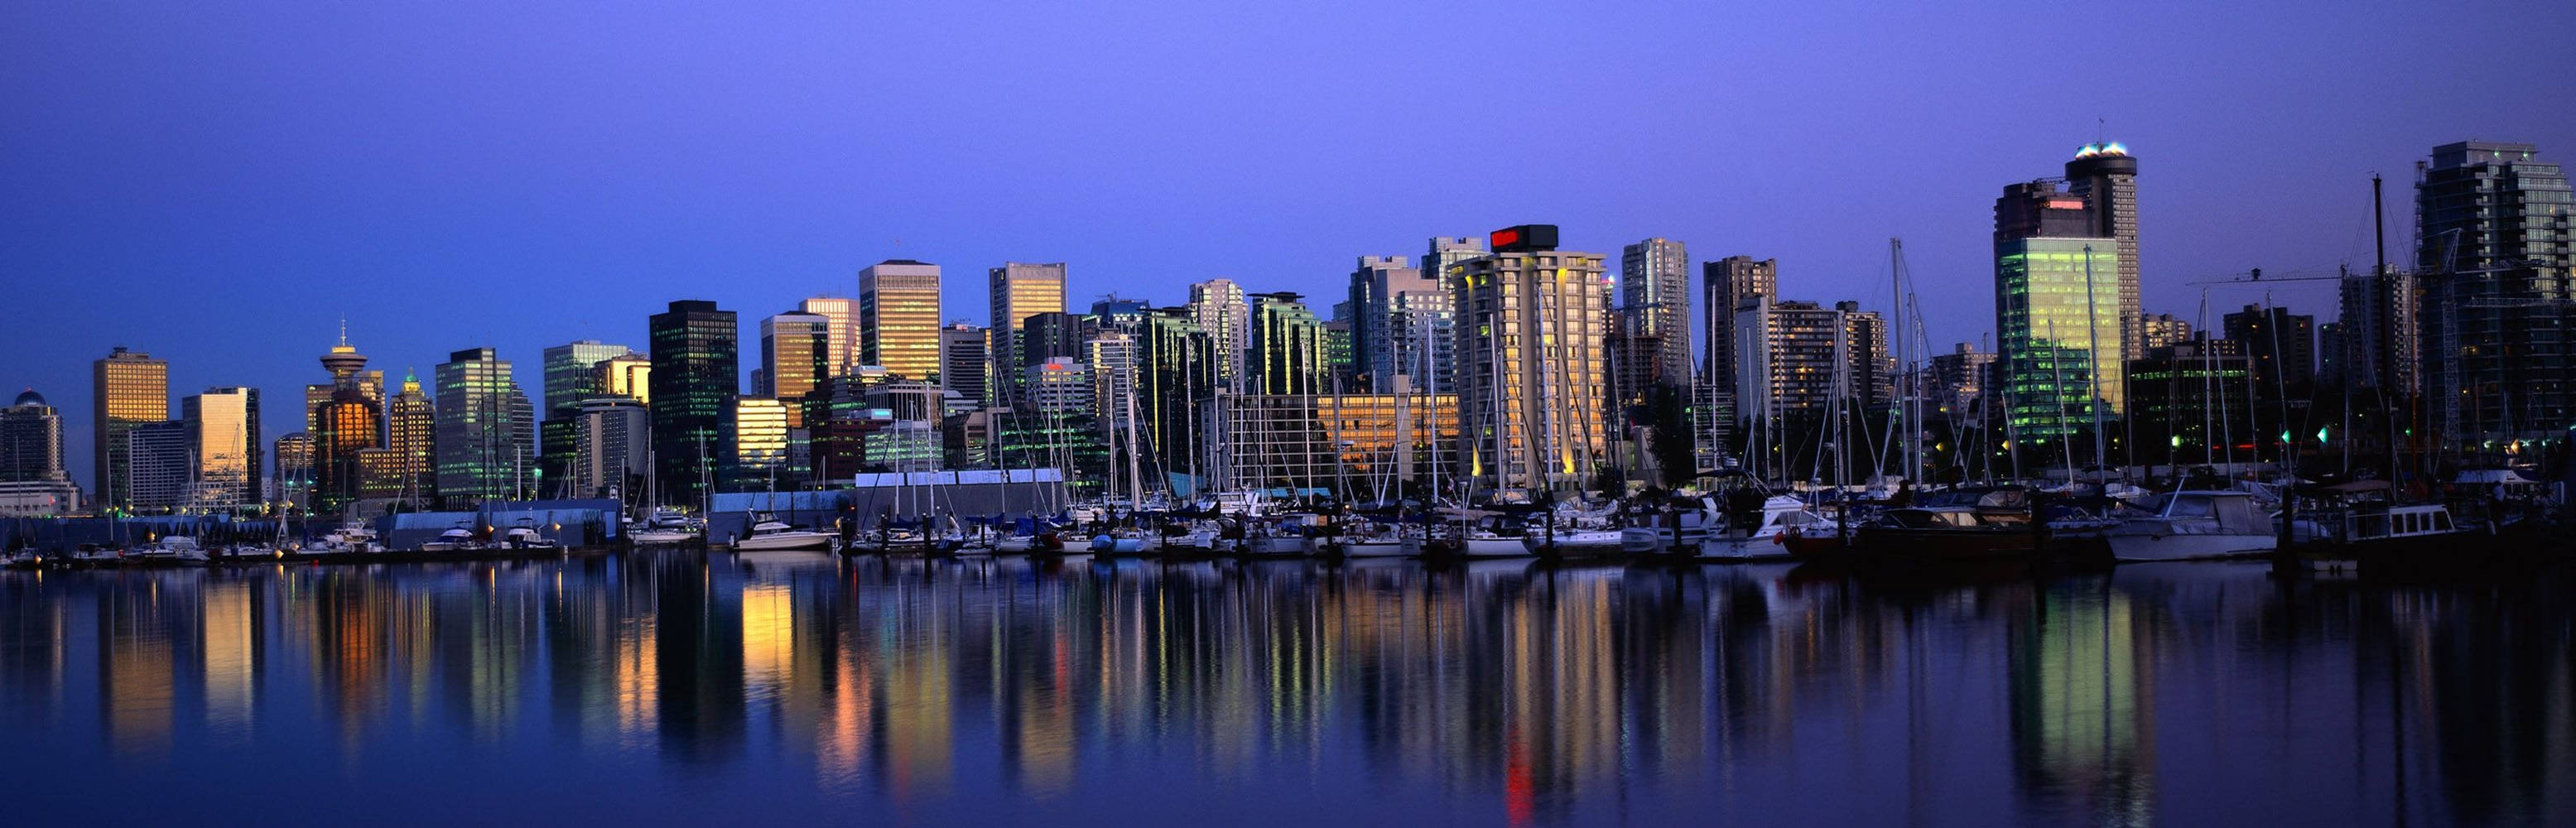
{"x": 486, "y": 442}
{"x": 571, "y": 376}
{"x": 1020, "y": 291}
{"x": 1532, "y": 392}
{"x": 842, "y": 347}
{"x": 411, "y": 428}
{"x": 2105, "y": 176}
{"x": 795, "y": 355}
{"x": 696, "y": 377}
{"x": 223, "y": 436}
{"x": 2493, "y": 260}
{"x": 1288, "y": 351}
{"x": 1217, "y": 305}
{"x": 966, "y": 364}
{"x": 128, "y": 388}
{"x": 1654, "y": 279}
{"x": 345, "y": 423}
{"x": 1726, "y": 286}
{"x": 899, "y": 318}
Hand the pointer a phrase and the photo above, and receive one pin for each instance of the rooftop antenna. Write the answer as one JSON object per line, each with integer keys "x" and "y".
{"x": 344, "y": 329}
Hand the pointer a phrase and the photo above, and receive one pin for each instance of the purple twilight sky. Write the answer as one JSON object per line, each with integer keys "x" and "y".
{"x": 218, "y": 183}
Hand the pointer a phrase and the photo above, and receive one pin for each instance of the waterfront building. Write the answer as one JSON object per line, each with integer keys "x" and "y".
{"x": 2282, "y": 346}
{"x": 840, "y": 331}
{"x": 2378, "y": 348}
{"x": 1287, "y": 353}
{"x": 224, "y": 440}
{"x": 2057, "y": 311}
{"x": 696, "y": 375}
{"x": 1110, "y": 313}
{"x": 1654, "y": 280}
{"x": 2175, "y": 409}
{"x": 1726, "y": 285}
{"x": 2493, "y": 262}
{"x": 1220, "y": 307}
{"x": 31, "y": 440}
{"x": 966, "y": 363}
{"x": 411, "y": 428}
{"x": 795, "y": 357}
{"x": 1532, "y": 393}
{"x": 1018, "y": 291}
{"x": 350, "y": 423}
{"x": 292, "y": 472}
{"x": 1046, "y": 336}
{"x": 1176, "y": 370}
{"x": 571, "y": 375}
{"x": 1802, "y": 356}
{"x": 158, "y": 479}
{"x": 485, "y": 442}
{"x": 128, "y": 388}
{"x": 904, "y": 446}
{"x": 1361, "y": 446}
{"x": 760, "y": 444}
{"x": 899, "y": 318}
{"x": 612, "y": 452}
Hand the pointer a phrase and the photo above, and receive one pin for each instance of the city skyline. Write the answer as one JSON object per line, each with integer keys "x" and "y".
{"x": 433, "y": 232}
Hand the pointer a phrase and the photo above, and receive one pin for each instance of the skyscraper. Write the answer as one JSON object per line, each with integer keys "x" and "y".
{"x": 127, "y": 389}
{"x": 1288, "y": 351}
{"x": 1725, "y": 286}
{"x": 223, "y": 436}
{"x": 795, "y": 356}
{"x": 899, "y": 318}
{"x": 2380, "y": 323}
{"x": 696, "y": 377}
{"x": 486, "y": 443}
{"x": 2105, "y": 176}
{"x": 966, "y": 363}
{"x": 628, "y": 375}
{"x": 2060, "y": 328}
{"x": 760, "y": 444}
{"x": 1445, "y": 253}
{"x": 1045, "y": 336}
{"x": 32, "y": 481}
{"x": 1802, "y": 356}
{"x": 1401, "y": 325}
{"x": 1219, "y": 308}
{"x": 159, "y": 476}
{"x": 292, "y": 470}
{"x": 2282, "y": 346}
{"x": 1019, "y": 291}
{"x": 1532, "y": 395}
{"x": 612, "y": 450}
{"x": 1176, "y": 368}
{"x": 1654, "y": 277}
{"x": 571, "y": 376}
{"x": 411, "y": 428}
{"x": 1112, "y": 357}
{"x": 2493, "y": 260}
{"x": 349, "y": 423}
{"x": 841, "y": 351}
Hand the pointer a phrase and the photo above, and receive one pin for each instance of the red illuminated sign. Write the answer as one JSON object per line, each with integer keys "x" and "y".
{"x": 1506, "y": 238}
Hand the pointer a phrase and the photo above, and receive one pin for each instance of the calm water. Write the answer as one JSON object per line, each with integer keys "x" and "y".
{"x": 681, "y": 686}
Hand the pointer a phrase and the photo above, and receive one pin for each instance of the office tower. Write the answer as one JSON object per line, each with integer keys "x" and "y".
{"x": 899, "y": 318}
{"x": 1445, "y": 253}
{"x": 2493, "y": 263}
{"x": 31, "y": 440}
{"x": 1176, "y": 368}
{"x": 2283, "y": 347}
{"x": 1019, "y": 291}
{"x": 1654, "y": 277}
{"x": 1046, "y": 336}
{"x": 159, "y": 478}
{"x": 1287, "y": 352}
{"x": 1635, "y": 364}
{"x": 1219, "y": 307}
{"x": 626, "y": 375}
{"x": 571, "y": 375}
{"x": 1058, "y": 387}
{"x": 350, "y": 424}
{"x": 1112, "y": 357}
{"x": 2057, "y": 312}
{"x": 612, "y": 453}
{"x": 2161, "y": 329}
{"x": 966, "y": 361}
{"x": 841, "y": 331}
{"x": 1531, "y": 391}
{"x": 291, "y": 464}
{"x": 223, "y": 436}
{"x": 1802, "y": 356}
{"x": 695, "y": 376}
{"x": 127, "y": 389}
{"x": 1338, "y": 367}
{"x": 1725, "y": 286}
{"x": 760, "y": 444}
{"x": 795, "y": 357}
{"x": 2105, "y": 177}
{"x": 1401, "y": 325}
{"x": 485, "y": 443}
{"x": 2380, "y": 323}
{"x": 1110, "y": 313}
{"x": 411, "y": 428}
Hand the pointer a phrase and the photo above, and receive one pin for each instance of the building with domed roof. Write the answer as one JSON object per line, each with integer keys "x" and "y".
{"x": 32, "y": 481}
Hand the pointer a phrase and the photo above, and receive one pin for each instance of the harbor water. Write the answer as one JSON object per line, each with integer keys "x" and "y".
{"x": 685, "y": 686}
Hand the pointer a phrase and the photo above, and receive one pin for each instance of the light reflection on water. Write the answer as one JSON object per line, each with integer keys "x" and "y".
{"x": 681, "y": 686}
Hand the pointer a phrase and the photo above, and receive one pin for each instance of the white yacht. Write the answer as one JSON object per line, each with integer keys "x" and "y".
{"x": 527, "y": 536}
{"x": 456, "y": 539}
{"x": 1706, "y": 532}
{"x": 771, "y": 535}
{"x": 353, "y": 536}
{"x": 2185, "y": 525}
{"x": 170, "y": 550}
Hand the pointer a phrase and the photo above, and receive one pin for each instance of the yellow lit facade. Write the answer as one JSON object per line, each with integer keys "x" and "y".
{"x": 1532, "y": 381}
{"x": 899, "y": 318}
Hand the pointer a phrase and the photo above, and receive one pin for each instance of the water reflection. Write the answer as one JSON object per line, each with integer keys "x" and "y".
{"x": 782, "y": 685}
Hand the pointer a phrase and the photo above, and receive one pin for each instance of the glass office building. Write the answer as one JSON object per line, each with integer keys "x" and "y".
{"x": 2057, "y": 306}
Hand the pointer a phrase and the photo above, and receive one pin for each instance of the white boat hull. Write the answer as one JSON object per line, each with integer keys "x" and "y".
{"x": 784, "y": 541}
{"x": 2185, "y": 547}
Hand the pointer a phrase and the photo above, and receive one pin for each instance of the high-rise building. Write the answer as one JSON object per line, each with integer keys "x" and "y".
{"x": 291, "y": 469}
{"x": 1287, "y": 353}
{"x": 1220, "y": 308}
{"x": 626, "y": 375}
{"x": 2058, "y": 314}
{"x": 223, "y": 437}
{"x": 159, "y": 476}
{"x": 2283, "y": 347}
{"x": 128, "y": 388}
{"x": 1112, "y": 357}
{"x": 1532, "y": 395}
{"x": 1019, "y": 291}
{"x": 411, "y": 429}
{"x": 1445, "y": 253}
{"x": 2105, "y": 176}
{"x": 31, "y": 440}
{"x": 612, "y": 449}
{"x": 1958, "y": 377}
{"x": 795, "y": 357}
{"x": 966, "y": 362}
{"x": 2499, "y": 302}
{"x": 2380, "y": 323}
{"x": 899, "y": 318}
{"x": 2176, "y": 389}
{"x": 485, "y": 446}
{"x": 1046, "y": 336}
{"x": 696, "y": 376}
{"x": 1341, "y": 443}
{"x": 1058, "y": 388}
{"x": 1176, "y": 372}
{"x": 2161, "y": 329}
{"x": 1802, "y": 356}
{"x": 1654, "y": 278}
{"x": 571, "y": 375}
{"x": 350, "y": 424}
{"x": 1401, "y": 325}
{"x": 760, "y": 443}
{"x": 1725, "y": 286}
{"x": 841, "y": 331}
